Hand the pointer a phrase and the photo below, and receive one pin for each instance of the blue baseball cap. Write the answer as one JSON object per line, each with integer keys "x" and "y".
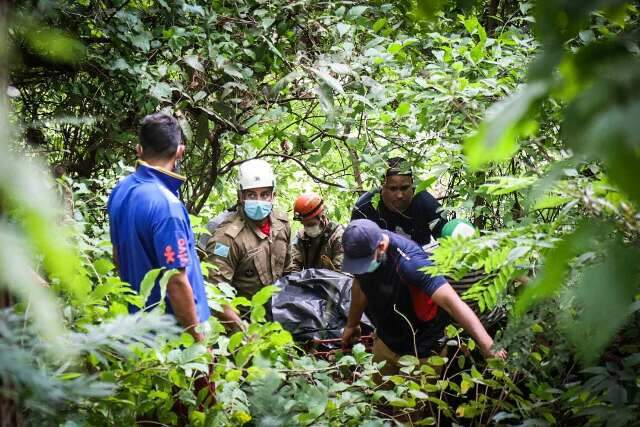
{"x": 360, "y": 240}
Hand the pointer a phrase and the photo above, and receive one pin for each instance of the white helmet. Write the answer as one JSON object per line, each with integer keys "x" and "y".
{"x": 256, "y": 173}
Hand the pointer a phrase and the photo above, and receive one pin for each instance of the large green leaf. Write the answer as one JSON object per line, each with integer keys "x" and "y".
{"x": 557, "y": 264}
{"x": 497, "y": 138}
{"x": 604, "y": 299}
{"x": 148, "y": 282}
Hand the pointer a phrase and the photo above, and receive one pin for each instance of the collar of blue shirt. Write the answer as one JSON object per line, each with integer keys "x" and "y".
{"x": 171, "y": 180}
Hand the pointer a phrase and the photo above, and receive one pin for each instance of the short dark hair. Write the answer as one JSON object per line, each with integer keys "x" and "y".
{"x": 398, "y": 166}
{"x": 160, "y": 135}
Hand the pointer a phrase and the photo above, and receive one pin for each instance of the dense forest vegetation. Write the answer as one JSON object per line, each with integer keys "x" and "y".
{"x": 518, "y": 115}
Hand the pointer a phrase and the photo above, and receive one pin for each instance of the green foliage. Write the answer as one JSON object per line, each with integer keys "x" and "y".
{"x": 522, "y": 124}
{"x": 596, "y": 123}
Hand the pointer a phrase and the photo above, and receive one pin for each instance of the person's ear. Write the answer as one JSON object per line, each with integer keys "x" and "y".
{"x": 139, "y": 151}
{"x": 180, "y": 152}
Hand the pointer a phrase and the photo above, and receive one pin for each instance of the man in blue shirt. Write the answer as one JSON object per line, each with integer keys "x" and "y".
{"x": 397, "y": 207}
{"x": 409, "y": 308}
{"x": 150, "y": 226}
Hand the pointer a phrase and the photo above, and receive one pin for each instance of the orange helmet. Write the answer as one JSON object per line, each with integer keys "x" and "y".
{"x": 307, "y": 206}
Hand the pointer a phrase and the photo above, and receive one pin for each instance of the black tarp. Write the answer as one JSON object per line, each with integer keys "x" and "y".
{"x": 314, "y": 303}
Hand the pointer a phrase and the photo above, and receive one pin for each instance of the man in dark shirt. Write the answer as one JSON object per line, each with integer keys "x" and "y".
{"x": 397, "y": 208}
{"x": 408, "y": 307}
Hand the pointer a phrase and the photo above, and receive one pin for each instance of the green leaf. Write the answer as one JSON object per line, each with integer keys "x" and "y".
{"x": 557, "y": 264}
{"x": 195, "y": 9}
{"x": 408, "y": 360}
{"x": 605, "y": 295}
{"x": 437, "y": 360}
{"x": 281, "y": 338}
{"x": 428, "y": 9}
{"x": 550, "y": 201}
{"x": 233, "y": 71}
{"x": 326, "y": 146}
{"x": 258, "y": 314}
{"x": 425, "y": 184}
{"x": 501, "y": 185}
{"x": 403, "y": 109}
{"x": 328, "y": 80}
{"x": 342, "y": 28}
{"x": 142, "y": 41}
{"x": 496, "y": 139}
{"x": 379, "y": 24}
{"x": 103, "y": 266}
{"x": 394, "y": 47}
{"x": 235, "y": 341}
{"x": 55, "y": 45}
{"x": 161, "y": 91}
{"x": 325, "y": 95}
{"x": 233, "y": 375}
{"x": 194, "y": 62}
{"x": 268, "y": 22}
{"x": 263, "y": 295}
{"x": 356, "y": 11}
{"x": 186, "y": 339}
{"x": 339, "y": 68}
{"x": 164, "y": 281}
{"x": 285, "y": 81}
{"x": 148, "y": 282}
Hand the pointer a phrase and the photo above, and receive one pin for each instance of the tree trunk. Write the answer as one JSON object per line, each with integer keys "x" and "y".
{"x": 200, "y": 195}
{"x": 489, "y": 21}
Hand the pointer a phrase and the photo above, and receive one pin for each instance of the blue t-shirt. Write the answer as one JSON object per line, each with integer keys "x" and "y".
{"x": 150, "y": 229}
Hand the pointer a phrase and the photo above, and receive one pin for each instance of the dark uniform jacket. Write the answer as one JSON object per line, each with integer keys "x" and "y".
{"x": 323, "y": 251}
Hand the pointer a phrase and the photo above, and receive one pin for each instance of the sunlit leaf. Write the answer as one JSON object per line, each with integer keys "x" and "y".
{"x": 497, "y": 138}
{"x": 194, "y": 62}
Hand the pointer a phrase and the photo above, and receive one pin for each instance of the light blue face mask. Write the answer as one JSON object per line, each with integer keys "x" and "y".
{"x": 257, "y": 209}
{"x": 375, "y": 263}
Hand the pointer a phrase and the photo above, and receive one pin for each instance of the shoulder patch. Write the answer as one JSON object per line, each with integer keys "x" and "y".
{"x": 221, "y": 250}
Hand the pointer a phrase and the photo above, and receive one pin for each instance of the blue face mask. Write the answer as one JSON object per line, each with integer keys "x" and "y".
{"x": 257, "y": 209}
{"x": 376, "y": 263}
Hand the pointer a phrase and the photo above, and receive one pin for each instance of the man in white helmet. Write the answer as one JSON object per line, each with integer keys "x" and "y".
{"x": 251, "y": 248}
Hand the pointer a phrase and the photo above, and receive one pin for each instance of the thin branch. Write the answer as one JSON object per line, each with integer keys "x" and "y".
{"x": 304, "y": 167}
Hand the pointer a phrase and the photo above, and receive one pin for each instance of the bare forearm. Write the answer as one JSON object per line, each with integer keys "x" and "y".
{"x": 470, "y": 322}
{"x": 358, "y": 305}
{"x": 230, "y": 317}
{"x": 184, "y": 307}
{"x": 448, "y": 299}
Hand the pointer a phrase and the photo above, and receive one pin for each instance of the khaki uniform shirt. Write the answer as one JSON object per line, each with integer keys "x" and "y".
{"x": 324, "y": 251}
{"x": 245, "y": 257}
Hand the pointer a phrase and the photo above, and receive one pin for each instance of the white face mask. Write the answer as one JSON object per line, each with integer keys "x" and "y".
{"x": 313, "y": 230}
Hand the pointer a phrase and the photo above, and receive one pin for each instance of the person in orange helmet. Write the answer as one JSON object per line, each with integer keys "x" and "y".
{"x": 319, "y": 243}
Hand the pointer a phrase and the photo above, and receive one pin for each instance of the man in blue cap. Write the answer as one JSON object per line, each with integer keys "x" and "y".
{"x": 408, "y": 307}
